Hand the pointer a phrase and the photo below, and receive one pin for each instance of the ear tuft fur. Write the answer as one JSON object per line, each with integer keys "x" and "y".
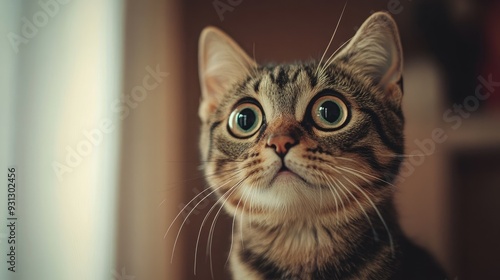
{"x": 376, "y": 50}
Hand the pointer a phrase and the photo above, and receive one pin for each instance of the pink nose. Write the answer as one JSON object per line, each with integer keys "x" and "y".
{"x": 281, "y": 143}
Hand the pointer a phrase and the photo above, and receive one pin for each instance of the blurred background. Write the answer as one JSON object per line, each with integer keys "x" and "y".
{"x": 99, "y": 118}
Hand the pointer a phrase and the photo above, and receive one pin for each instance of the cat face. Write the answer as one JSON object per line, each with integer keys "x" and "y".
{"x": 306, "y": 137}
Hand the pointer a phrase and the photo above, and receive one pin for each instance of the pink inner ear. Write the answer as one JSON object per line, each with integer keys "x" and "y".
{"x": 206, "y": 109}
{"x": 209, "y": 99}
{"x": 394, "y": 93}
{"x": 393, "y": 73}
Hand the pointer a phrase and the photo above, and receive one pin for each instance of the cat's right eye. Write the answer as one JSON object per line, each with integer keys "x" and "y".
{"x": 245, "y": 120}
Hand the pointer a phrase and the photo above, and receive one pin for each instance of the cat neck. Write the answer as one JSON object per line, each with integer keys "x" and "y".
{"x": 318, "y": 243}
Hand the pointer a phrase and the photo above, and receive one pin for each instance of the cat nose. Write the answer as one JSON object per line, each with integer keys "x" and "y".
{"x": 281, "y": 143}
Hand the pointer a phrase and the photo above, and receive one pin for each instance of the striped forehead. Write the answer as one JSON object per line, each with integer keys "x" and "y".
{"x": 281, "y": 88}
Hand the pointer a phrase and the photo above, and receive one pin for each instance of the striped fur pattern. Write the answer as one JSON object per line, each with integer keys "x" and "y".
{"x": 308, "y": 202}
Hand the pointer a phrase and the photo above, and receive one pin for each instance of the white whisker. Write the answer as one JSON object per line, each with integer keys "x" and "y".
{"x": 214, "y": 222}
{"x": 332, "y": 189}
{"x": 347, "y": 159}
{"x": 375, "y": 236}
{"x": 337, "y": 190}
{"x": 204, "y": 220}
{"x": 185, "y": 219}
{"x": 184, "y": 208}
{"x": 161, "y": 203}
{"x": 358, "y": 174}
{"x": 232, "y": 227}
{"x": 330, "y": 59}
{"x": 331, "y": 38}
{"x": 241, "y": 216}
{"x": 194, "y": 198}
{"x": 376, "y": 210}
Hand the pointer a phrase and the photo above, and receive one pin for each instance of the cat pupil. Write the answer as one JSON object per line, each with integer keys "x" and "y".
{"x": 246, "y": 119}
{"x": 330, "y": 111}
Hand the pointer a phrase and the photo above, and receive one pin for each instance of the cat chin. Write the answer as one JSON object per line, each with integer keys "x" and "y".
{"x": 287, "y": 191}
{"x": 286, "y": 178}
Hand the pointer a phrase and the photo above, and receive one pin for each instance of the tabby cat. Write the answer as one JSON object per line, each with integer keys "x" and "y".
{"x": 303, "y": 156}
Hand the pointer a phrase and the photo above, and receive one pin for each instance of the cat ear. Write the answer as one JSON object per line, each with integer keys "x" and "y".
{"x": 221, "y": 64}
{"x": 376, "y": 50}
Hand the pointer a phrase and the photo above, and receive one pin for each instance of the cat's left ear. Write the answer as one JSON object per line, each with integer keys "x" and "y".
{"x": 376, "y": 50}
{"x": 222, "y": 63}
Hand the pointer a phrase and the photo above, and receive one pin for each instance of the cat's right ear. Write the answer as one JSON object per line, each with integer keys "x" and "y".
{"x": 221, "y": 64}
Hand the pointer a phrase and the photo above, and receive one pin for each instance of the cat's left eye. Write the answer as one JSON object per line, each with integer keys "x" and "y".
{"x": 329, "y": 112}
{"x": 245, "y": 120}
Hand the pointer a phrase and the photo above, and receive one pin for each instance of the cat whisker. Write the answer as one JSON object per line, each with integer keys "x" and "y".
{"x": 215, "y": 161}
{"x": 254, "y": 69}
{"x": 185, "y": 219}
{"x": 241, "y": 216}
{"x": 194, "y": 198}
{"x": 375, "y": 236}
{"x": 330, "y": 59}
{"x": 351, "y": 170}
{"x": 182, "y": 182}
{"x": 347, "y": 159}
{"x": 203, "y": 164}
{"x": 218, "y": 174}
{"x": 190, "y": 212}
{"x": 250, "y": 216}
{"x": 346, "y": 217}
{"x": 358, "y": 174}
{"x": 333, "y": 186}
{"x": 161, "y": 203}
{"x": 232, "y": 228}
{"x": 404, "y": 155}
{"x": 206, "y": 216}
{"x": 214, "y": 222}
{"x": 320, "y": 197}
{"x": 376, "y": 210}
{"x": 184, "y": 208}
{"x": 331, "y": 39}
{"x": 334, "y": 193}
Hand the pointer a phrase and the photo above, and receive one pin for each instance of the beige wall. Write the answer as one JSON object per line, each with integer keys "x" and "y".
{"x": 151, "y": 141}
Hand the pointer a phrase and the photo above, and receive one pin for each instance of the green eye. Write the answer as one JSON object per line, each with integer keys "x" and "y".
{"x": 329, "y": 112}
{"x": 245, "y": 120}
